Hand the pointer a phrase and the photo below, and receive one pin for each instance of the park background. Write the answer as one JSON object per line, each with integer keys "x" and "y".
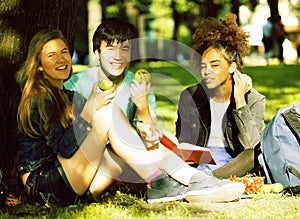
{"x": 175, "y": 20}
{"x": 161, "y": 23}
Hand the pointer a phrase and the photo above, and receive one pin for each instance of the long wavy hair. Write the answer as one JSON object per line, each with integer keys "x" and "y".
{"x": 34, "y": 84}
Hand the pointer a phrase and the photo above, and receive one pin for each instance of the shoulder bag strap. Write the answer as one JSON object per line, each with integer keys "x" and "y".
{"x": 292, "y": 118}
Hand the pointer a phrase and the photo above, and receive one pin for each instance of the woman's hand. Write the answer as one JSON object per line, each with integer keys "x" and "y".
{"x": 103, "y": 97}
{"x": 242, "y": 84}
{"x": 96, "y": 100}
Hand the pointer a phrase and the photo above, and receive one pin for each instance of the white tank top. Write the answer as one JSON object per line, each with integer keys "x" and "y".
{"x": 218, "y": 121}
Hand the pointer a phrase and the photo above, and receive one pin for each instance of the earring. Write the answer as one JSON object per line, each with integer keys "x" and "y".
{"x": 232, "y": 68}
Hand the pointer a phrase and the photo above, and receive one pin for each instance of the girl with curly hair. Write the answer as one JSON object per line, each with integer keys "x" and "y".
{"x": 223, "y": 112}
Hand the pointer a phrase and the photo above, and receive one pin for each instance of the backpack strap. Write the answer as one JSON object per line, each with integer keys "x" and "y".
{"x": 294, "y": 171}
{"x": 292, "y": 118}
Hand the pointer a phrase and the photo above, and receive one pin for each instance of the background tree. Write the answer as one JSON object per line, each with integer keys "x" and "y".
{"x": 274, "y": 9}
{"x": 19, "y": 21}
{"x": 81, "y": 33}
{"x": 185, "y": 12}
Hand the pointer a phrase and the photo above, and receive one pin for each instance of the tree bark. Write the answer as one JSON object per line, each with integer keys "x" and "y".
{"x": 275, "y": 17}
{"x": 19, "y": 21}
{"x": 235, "y": 6}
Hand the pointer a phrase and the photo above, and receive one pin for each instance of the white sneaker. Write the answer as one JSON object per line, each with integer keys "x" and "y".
{"x": 210, "y": 189}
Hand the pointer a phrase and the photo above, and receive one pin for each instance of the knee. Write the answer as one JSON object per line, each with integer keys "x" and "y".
{"x": 104, "y": 113}
{"x": 108, "y": 112}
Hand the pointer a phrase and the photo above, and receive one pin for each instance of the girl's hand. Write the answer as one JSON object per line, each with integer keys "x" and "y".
{"x": 242, "y": 84}
{"x": 103, "y": 97}
{"x": 96, "y": 100}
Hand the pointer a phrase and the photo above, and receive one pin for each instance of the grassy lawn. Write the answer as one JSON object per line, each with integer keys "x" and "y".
{"x": 280, "y": 84}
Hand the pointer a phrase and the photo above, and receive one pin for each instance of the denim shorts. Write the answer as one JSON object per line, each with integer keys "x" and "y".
{"x": 49, "y": 186}
{"x": 221, "y": 157}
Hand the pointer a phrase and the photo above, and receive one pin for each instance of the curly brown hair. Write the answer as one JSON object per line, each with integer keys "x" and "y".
{"x": 222, "y": 34}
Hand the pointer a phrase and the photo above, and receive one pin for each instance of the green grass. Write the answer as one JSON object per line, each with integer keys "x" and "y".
{"x": 280, "y": 84}
{"x": 127, "y": 206}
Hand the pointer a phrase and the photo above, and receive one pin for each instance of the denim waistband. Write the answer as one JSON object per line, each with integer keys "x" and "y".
{"x": 62, "y": 173}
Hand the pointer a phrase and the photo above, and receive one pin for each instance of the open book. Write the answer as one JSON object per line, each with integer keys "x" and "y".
{"x": 189, "y": 153}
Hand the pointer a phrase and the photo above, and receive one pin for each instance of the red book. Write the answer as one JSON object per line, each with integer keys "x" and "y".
{"x": 189, "y": 153}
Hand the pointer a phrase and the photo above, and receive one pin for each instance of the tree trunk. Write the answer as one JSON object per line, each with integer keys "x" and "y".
{"x": 19, "y": 21}
{"x": 274, "y": 10}
{"x": 94, "y": 19}
{"x": 175, "y": 32}
{"x": 235, "y": 6}
{"x": 212, "y": 8}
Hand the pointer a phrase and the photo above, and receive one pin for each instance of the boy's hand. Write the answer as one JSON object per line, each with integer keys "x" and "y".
{"x": 150, "y": 133}
{"x": 140, "y": 91}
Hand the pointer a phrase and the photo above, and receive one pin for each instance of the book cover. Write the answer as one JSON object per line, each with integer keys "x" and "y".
{"x": 189, "y": 153}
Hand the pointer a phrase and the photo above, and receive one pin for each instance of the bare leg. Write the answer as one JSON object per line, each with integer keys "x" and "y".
{"x": 132, "y": 150}
{"x": 85, "y": 163}
{"x": 82, "y": 167}
{"x": 108, "y": 171}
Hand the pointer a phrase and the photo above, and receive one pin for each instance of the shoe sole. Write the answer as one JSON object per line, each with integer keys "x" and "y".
{"x": 225, "y": 193}
{"x": 166, "y": 199}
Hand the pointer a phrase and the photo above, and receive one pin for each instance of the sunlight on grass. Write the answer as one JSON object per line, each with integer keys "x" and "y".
{"x": 264, "y": 208}
{"x": 166, "y": 115}
{"x": 79, "y": 68}
{"x": 280, "y": 84}
{"x": 273, "y": 103}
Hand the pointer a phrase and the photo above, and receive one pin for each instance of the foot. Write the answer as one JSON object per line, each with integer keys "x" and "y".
{"x": 164, "y": 189}
{"x": 211, "y": 189}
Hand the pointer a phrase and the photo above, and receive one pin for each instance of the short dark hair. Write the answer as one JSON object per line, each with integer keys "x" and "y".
{"x": 112, "y": 29}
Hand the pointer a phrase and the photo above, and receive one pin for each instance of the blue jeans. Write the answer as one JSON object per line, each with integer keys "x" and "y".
{"x": 221, "y": 157}
{"x": 49, "y": 186}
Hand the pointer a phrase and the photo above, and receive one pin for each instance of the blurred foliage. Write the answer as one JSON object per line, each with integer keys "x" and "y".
{"x": 170, "y": 19}
{"x": 174, "y": 19}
